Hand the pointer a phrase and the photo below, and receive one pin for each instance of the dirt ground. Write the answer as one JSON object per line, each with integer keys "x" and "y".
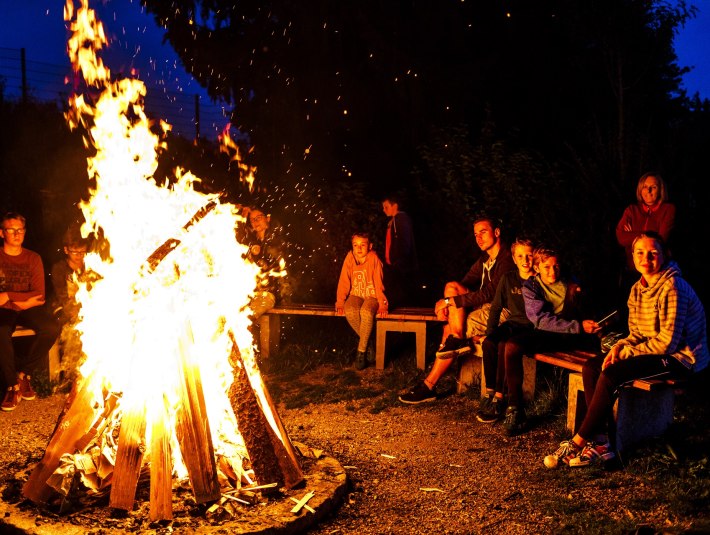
{"x": 431, "y": 468}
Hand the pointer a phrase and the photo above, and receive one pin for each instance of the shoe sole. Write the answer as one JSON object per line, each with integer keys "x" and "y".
{"x": 445, "y": 355}
{"x": 27, "y": 398}
{"x": 487, "y": 420}
{"x": 427, "y": 400}
{"x": 597, "y": 460}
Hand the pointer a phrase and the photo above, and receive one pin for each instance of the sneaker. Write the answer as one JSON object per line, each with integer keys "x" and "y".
{"x": 453, "y": 347}
{"x": 26, "y": 390}
{"x": 419, "y": 394}
{"x": 360, "y": 361}
{"x": 12, "y": 399}
{"x": 492, "y": 410}
{"x": 515, "y": 421}
{"x": 593, "y": 453}
{"x": 567, "y": 451}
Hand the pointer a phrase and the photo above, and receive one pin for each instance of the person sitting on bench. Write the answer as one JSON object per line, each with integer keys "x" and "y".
{"x": 22, "y": 302}
{"x": 509, "y": 296}
{"x": 667, "y": 339}
{"x": 461, "y": 305}
{"x": 553, "y": 306}
{"x": 360, "y": 295}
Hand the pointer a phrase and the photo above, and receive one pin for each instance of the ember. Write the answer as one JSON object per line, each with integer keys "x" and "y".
{"x": 170, "y": 382}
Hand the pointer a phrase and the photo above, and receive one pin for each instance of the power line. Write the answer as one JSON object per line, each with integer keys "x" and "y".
{"x": 50, "y": 82}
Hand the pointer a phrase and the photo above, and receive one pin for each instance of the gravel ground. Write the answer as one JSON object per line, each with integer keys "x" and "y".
{"x": 429, "y": 468}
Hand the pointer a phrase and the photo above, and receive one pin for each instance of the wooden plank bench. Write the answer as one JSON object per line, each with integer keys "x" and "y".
{"x": 54, "y": 363}
{"x": 403, "y": 319}
{"x": 644, "y": 408}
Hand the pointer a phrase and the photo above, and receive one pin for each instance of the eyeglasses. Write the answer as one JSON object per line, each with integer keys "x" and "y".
{"x": 78, "y": 253}
{"x": 15, "y": 230}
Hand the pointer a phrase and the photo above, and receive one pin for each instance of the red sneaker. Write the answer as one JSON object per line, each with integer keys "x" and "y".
{"x": 26, "y": 390}
{"x": 12, "y": 399}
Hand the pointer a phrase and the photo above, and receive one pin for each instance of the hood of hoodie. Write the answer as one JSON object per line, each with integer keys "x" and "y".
{"x": 670, "y": 271}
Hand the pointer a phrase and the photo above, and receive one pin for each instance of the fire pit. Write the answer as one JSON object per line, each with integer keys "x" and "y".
{"x": 272, "y": 513}
{"x": 169, "y": 412}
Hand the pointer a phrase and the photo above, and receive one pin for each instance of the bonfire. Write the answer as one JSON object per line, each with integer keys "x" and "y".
{"x": 170, "y": 383}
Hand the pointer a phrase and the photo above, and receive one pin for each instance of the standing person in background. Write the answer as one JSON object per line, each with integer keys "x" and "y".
{"x": 401, "y": 265}
{"x": 22, "y": 298}
{"x": 651, "y": 212}
{"x": 361, "y": 295}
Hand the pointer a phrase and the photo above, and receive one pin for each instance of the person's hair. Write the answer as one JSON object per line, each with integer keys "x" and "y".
{"x": 393, "y": 198}
{"x": 662, "y": 190}
{"x": 521, "y": 242}
{"x": 13, "y": 215}
{"x": 363, "y": 235}
{"x": 495, "y": 224}
{"x": 543, "y": 253}
{"x": 655, "y": 236}
{"x": 73, "y": 238}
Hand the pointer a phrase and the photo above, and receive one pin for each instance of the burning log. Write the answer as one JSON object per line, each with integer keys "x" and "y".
{"x": 272, "y": 458}
{"x": 193, "y": 431}
{"x": 157, "y": 256}
{"x": 74, "y": 425}
{"x": 129, "y": 457}
{"x": 161, "y": 465}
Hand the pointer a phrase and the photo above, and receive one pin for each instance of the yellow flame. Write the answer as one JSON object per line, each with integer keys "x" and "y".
{"x": 133, "y": 319}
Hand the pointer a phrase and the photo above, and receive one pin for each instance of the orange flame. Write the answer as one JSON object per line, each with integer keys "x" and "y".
{"x": 247, "y": 173}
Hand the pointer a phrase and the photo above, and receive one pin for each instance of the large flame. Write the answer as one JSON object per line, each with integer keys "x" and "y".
{"x": 137, "y": 320}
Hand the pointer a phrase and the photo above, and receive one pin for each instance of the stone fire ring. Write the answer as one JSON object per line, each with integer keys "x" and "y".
{"x": 325, "y": 476}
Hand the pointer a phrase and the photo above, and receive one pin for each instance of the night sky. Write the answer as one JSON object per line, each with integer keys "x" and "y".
{"x": 136, "y": 43}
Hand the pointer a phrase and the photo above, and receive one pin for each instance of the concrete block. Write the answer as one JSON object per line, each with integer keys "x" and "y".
{"x": 641, "y": 414}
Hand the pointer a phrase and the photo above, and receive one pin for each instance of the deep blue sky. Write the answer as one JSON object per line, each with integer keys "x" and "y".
{"x": 136, "y": 42}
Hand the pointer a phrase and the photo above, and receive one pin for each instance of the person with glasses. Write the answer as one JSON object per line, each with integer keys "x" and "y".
{"x": 66, "y": 273}
{"x": 22, "y": 299}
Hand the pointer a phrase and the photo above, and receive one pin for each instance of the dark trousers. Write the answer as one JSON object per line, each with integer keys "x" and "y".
{"x": 538, "y": 341}
{"x": 601, "y": 388}
{"x": 493, "y": 348}
{"x": 47, "y": 330}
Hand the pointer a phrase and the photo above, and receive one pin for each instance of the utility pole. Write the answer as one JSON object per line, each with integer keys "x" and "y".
{"x": 197, "y": 118}
{"x": 23, "y": 68}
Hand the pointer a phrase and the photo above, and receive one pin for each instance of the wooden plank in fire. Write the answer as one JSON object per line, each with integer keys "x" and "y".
{"x": 193, "y": 429}
{"x": 129, "y": 456}
{"x": 269, "y": 456}
{"x": 74, "y": 424}
{"x": 161, "y": 462}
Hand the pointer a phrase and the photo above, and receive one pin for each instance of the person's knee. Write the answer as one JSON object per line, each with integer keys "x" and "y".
{"x": 592, "y": 367}
{"x": 453, "y": 288}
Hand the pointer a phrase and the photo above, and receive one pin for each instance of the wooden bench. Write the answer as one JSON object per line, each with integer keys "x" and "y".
{"x": 399, "y": 320}
{"x": 644, "y": 408}
{"x": 54, "y": 363}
